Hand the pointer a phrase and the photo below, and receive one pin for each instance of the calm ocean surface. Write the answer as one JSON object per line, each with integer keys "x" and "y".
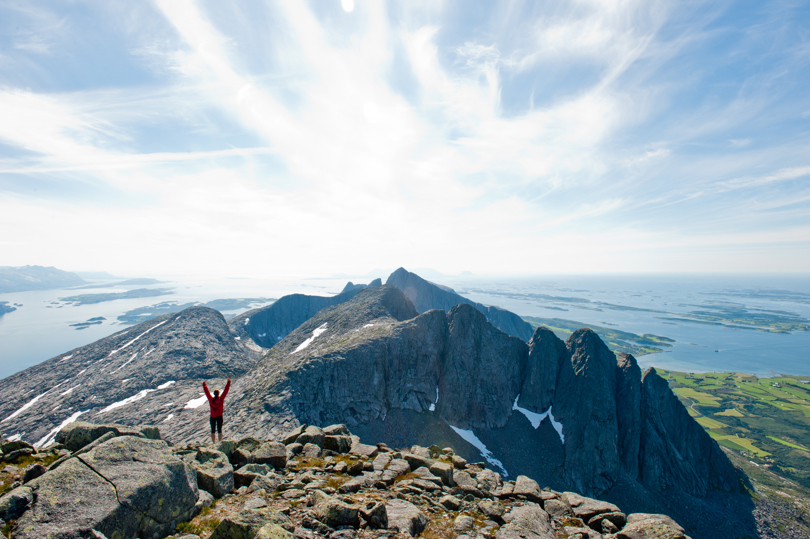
{"x": 40, "y": 330}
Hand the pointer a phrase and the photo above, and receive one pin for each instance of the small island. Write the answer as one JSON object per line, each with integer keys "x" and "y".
{"x": 89, "y": 299}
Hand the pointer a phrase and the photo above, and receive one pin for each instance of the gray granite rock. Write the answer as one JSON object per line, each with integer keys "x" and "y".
{"x": 405, "y": 517}
{"x": 128, "y": 486}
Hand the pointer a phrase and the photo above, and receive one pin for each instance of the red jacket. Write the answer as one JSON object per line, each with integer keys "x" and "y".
{"x": 216, "y": 404}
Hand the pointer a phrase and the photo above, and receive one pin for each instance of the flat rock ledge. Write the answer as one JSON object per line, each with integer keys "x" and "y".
{"x": 108, "y": 481}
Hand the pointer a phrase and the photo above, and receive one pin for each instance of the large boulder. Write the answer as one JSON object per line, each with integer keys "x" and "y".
{"x": 405, "y": 517}
{"x": 526, "y": 522}
{"x": 649, "y": 526}
{"x": 78, "y": 434}
{"x": 126, "y": 487}
{"x": 214, "y": 472}
{"x": 272, "y": 453}
{"x": 334, "y": 512}
{"x": 13, "y": 504}
{"x": 247, "y": 525}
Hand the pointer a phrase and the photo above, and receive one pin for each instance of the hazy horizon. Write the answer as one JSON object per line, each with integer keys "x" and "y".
{"x": 513, "y": 138}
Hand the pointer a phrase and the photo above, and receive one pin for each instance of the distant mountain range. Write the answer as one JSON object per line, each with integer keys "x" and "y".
{"x": 404, "y": 363}
{"x": 23, "y": 278}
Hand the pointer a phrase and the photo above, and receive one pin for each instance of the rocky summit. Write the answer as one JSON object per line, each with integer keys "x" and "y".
{"x": 426, "y": 296}
{"x": 569, "y": 415}
{"x": 110, "y": 481}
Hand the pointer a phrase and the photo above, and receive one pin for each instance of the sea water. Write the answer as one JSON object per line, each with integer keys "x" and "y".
{"x": 638, "y": 304}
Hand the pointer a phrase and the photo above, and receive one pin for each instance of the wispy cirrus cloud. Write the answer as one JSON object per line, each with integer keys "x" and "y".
{"x": 435, "y": 136}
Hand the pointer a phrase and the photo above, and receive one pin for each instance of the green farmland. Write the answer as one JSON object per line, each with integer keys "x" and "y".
{"x": 764, "y": 420}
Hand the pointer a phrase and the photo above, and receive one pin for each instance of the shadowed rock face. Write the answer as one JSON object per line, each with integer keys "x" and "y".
{"x": 675, "y": 451}
{"x": 628, "y": 412}
{"x": 546, "y": 355}
{"x": 137, "y": 376}
{"x": 266, "y": 326}
{"x": 481, "y": 371}
{"x": 426, "y": 296}
{"x": 585, "y": 403}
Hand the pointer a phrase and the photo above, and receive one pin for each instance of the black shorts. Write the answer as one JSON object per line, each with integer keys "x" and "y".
{"x": 216, "y": 425}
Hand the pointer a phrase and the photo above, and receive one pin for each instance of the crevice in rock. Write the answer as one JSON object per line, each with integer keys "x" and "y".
{"x": 115, "y": 489}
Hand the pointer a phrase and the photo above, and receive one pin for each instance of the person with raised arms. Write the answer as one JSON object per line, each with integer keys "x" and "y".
{"x": 216, "y": 402}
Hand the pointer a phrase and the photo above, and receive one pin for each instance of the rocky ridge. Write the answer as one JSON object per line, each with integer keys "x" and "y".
{"x": 266, "y": 326}
{"x": 426, "y": 296}
{"x": 151, "y": 373}
{"x": 113, "y": 481}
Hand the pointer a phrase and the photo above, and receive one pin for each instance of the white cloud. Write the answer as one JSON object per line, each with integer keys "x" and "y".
{"x": 278, "y": 141}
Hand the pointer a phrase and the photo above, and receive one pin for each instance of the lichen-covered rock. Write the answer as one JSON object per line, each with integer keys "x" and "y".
{"x": 32, "y": 471}
{"x": 650, "y": 526}
{"x": 526, "y": 522}
{"x": 126, "y": 487}
{"x": 269, "y": 483}
{"x": 78, "y": 434}
{"x": 587, "y": 508}
{"x": 444, "y": 471}
{"x": 245, "y": 475}
{"x": 334, "y": 512}
{"x": 312, "y": 435}
{"x": 375, "y": 515}
{"x": 338, "y": 444}
{"x": 214, "y": 472}
{"x": 272, "y": 453}
{"x": 14, "y": 503}
{"x": 247, "y": 524}
{"x": 527, "y": 488}
{"x": 8, "y": 447}
{"x": 405, "y": 517}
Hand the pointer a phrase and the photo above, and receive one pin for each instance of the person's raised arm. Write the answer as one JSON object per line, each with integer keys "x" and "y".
{"x": 207, "y": 393}
{"x": 227, "y": 387}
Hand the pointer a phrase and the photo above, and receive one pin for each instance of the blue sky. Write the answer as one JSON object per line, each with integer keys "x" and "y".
{"x": 285, "y": 137}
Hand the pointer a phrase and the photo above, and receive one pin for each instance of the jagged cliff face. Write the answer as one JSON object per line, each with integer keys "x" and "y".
{"x": 426, "y": 296}
{"x": 373, "y": 360}
{"x": 144, "y": 374}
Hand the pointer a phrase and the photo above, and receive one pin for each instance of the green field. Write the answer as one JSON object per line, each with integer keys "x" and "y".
{"x": 766, "y": 420}
{"x": 618, "y": 341}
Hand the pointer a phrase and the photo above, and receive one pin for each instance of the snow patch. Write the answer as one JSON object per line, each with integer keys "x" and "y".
{"x": 66, "y": 358}
{"x": 138, "y": 337}
{"x": 149, "y": 352}
{"x": 69, "y": 391}
{"x": 81, "y": 372}
{"x": 262, "y": 334}
{"x": 49, "y": 438}
{"x": 136, "y": 397}
{"x": 368, "y": 325}
{"x": 535, "y": 419}
{"x": 168, "y": 417}
{"x": 125, "y": 364}
{"x": 470, "y": 437}
{"x": 25, "y": 407}
{"x": 237, "y": 338}
{"x": 167, "y": 384}
{"x": 15, "y": 438}
{"x": 433, "y": 404}
{"x": 307, "y": 342}
{"x": 247, "y": 320}
{"x": 195, "y": 403}
{"x": 168, "y": 404}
